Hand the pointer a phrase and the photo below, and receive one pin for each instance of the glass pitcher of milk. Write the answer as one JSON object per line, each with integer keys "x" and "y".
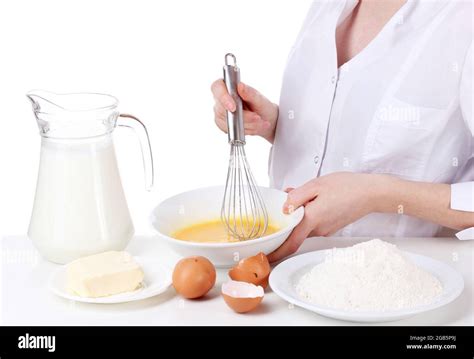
{"x": 80, "y": 207}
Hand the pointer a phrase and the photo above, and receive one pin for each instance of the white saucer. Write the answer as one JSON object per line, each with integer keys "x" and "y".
{"x": 157, "y": 280}
{"x": 284, "y": 277}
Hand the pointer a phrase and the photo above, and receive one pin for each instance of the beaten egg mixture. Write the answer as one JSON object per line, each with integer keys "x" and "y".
{"x": 212, "y": 232}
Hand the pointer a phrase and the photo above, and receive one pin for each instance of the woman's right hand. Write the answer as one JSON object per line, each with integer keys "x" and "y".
{"x": 260, "y": 114}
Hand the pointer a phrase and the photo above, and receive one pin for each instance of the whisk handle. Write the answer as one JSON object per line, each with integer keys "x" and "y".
{"x": 235, "y": 120}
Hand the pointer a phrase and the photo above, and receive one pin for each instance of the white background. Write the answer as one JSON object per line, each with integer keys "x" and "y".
{"x": 159, "y": 58}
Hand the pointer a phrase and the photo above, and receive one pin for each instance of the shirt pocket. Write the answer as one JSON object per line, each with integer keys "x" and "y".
{"x": 400, "y": 138}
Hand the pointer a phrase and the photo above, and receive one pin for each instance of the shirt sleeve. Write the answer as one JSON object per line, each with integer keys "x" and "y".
{"x": 462, "y": 194}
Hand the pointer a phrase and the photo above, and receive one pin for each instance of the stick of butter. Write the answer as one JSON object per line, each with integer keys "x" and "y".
{"x": 103, "y": 274}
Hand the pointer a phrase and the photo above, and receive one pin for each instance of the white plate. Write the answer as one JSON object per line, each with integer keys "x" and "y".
{"x": 284, "y": 277}
{"x": 157, "y": 280}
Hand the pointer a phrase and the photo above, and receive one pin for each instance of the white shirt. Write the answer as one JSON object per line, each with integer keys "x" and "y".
{"x": 402, "y": 106}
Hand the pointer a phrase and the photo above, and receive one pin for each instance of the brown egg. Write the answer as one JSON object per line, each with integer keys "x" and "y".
{"x": 193, "y": 277}
{"x": 242, "y": 297}
{"x": 253, "y": 270}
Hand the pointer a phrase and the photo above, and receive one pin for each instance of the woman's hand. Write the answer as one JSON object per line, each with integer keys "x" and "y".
{"x": 331, "y": 202}
{"x": 260, "y": 115}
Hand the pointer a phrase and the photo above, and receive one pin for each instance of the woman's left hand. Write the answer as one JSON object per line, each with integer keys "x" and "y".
{"x": 331, "y": 202}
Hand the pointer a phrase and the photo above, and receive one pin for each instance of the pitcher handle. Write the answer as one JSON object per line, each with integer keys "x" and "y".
{"x": 130, "y": 121}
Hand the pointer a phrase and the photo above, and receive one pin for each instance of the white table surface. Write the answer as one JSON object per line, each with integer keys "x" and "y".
{"x": 25, "y": 299}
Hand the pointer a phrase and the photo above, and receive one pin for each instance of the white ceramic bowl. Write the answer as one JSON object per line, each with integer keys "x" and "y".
{"x": 204, "y": 204}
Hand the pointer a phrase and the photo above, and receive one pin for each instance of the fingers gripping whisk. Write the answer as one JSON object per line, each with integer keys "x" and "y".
{"x": 243, "y": 209}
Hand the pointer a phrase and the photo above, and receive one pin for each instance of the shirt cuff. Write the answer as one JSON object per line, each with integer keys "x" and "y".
{"x": 462, "y": 196}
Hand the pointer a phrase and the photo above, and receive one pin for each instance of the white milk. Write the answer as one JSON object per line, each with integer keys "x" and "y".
{"x": 80, "y": 207}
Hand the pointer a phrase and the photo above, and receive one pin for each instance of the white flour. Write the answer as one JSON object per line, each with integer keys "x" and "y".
{"x": 373, "y": 275}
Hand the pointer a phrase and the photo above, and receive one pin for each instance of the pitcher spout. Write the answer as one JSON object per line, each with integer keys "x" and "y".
{"x": 43, "y": 101}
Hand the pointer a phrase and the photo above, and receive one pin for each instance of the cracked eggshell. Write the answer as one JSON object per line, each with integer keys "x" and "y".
{"x": 255, "y": 270}
{"x": 242, "y": 297}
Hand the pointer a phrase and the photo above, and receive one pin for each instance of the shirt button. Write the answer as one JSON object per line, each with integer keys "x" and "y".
{"x": 316, "y": 160}
{"x": 333, "y": 79}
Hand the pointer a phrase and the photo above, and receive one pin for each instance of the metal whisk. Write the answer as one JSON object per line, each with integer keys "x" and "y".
{"x": 243, "y": 209}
